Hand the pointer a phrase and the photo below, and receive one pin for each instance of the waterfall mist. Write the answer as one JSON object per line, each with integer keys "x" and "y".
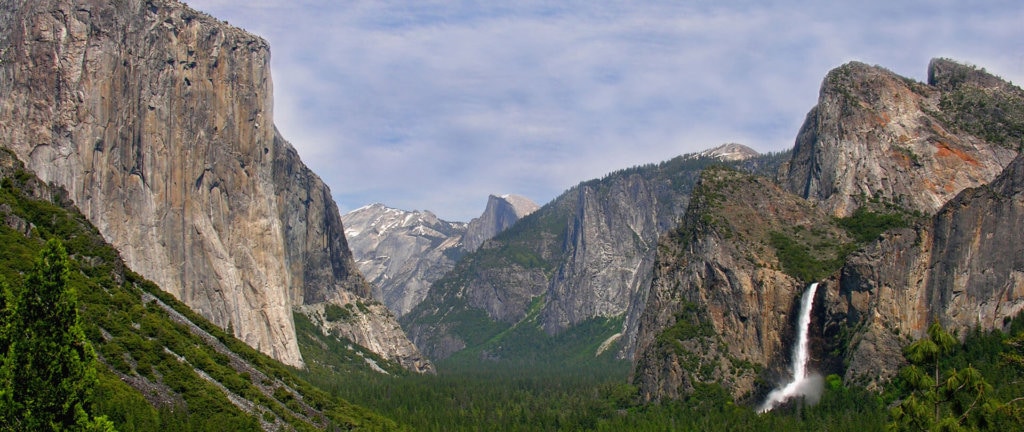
{"x": 809, "y": 387}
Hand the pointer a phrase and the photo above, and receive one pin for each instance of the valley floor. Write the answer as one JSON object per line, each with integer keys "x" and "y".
{"x": 470, "y": 395}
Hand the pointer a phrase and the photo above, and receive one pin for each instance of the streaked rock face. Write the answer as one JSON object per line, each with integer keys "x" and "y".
{"x": 720, "y": 305}
{"x": 719, "y": 309}
{"x": 875, "y": 134}
{"x": 964, "y": 268}
{"x": 158, "y": 120}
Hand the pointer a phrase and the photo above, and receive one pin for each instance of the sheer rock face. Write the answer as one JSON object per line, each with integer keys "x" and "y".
{"x": 876, "y": 134}
{"x": 158, "y": 121}
{"x": 608, "y": 250}
{"x": 961, "y": 262}
{"x": 720, "y": 303}
{"x": 500, "y": 213}
{"x": 587, "y": 254}
{"x": 402, "y": 252}
{"x": 964, "y": 268}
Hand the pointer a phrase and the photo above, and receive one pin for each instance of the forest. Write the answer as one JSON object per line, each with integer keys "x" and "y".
{"x": 119, "y": 328}
{"x": 977, "y": 385}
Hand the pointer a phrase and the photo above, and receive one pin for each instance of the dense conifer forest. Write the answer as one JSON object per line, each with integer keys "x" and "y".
{"x": 981, "y": 387}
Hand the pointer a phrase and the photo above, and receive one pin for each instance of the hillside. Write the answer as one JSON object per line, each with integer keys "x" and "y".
{"x": 889, "y": 201}
{"x": 161, "y": 364}
{"x": 158, "y": 121}
{"x": 581, "y": 262}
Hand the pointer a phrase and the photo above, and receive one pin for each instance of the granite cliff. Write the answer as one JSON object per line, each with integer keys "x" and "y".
{"x": 902, "y": 200}
{"x": 722, "y": 304}
{"x": 585, "y": 256}
{"x": 964, "y": 267}
{"x": 158, "y": 120}
{"x": 162, "y": 363}
{"x": 500, "y": 213}
{"x": 875, "y": 134}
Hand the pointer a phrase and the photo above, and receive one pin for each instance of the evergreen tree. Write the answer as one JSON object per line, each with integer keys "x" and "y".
{"x": 6, "y": 312}
{"x": 48, "y": 370}
{"x": 953, "y": 401}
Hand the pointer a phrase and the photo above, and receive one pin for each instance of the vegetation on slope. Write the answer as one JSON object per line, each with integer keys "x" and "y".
{"x": 537, "y": 243}
{"x": 981, "y": 104}
{"x": 593, "y": 396}
{"x": 161, "y": 365}
{"x": 48, "y": 370}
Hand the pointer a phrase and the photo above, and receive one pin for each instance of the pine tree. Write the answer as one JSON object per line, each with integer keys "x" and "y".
{"x": 6, "y": 315}
{"x": 951, "y": 401}
{"x": 49, "y": 370}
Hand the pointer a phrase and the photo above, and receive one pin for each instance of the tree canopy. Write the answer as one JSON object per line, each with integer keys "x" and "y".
{"x": 48, "y": 366}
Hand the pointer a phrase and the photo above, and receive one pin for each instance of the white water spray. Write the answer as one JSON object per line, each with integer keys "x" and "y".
{"x": 801, "y": 385}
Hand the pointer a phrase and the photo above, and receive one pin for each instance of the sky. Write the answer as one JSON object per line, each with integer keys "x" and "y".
{"x": 434, "y": 105}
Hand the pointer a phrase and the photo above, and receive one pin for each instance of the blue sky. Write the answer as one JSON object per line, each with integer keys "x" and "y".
{"x": 436, "y": 104}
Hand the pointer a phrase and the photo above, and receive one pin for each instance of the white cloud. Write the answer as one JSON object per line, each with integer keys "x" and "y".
{"x": 435, "y": 105}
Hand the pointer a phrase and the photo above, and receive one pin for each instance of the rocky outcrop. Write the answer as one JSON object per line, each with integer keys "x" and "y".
{"x": 361, "y": 323}
{"x": 964, "y": 268}
{"x": 722, "y": 305}
{"x": 717, "y": 311}
{"x": 953, "y": 135}
{"x": 587, "y": 254}
{"x": 875, "y": 134}
{"x": 500, "y": 213}
{"x": 401, "y": 253}
{"x": 158, "y": 121}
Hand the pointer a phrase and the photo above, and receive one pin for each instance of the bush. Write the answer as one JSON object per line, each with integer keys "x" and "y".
{"x": 335, "y": 313}
{"x": 865, "y": 225}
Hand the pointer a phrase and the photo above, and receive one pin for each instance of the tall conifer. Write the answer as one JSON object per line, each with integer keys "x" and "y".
{"x": 48, "y": 368}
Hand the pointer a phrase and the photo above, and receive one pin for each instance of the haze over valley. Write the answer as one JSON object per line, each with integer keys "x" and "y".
{"x": 514, "y": 217}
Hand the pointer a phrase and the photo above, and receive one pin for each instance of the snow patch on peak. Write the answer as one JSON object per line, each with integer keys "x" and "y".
{"x": 729, "y": 152}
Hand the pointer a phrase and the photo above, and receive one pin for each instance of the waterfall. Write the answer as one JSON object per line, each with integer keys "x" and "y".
{"x": 801, "y": 385}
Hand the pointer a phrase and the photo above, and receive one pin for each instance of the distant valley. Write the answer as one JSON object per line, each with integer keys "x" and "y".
{"x": 218, "y": 284}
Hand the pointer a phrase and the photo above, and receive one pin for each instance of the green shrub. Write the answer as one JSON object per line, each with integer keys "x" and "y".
{"x": 335, "y": 313}
{"x": 865, "y": 225}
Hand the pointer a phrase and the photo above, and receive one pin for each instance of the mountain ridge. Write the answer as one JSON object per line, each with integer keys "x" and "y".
{"x": 888, "y": 262}
{"x": 585, "y": 255}
{"x": 403, "y": 252}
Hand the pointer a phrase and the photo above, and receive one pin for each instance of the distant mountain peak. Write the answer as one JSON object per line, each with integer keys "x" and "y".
{"x": 730, "y": 152}
{"x": 501, "y": 212}
{"x": 402, "y": 252}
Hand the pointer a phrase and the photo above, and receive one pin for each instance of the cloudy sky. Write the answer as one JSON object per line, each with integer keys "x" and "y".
{"x": 436, "y": 104}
